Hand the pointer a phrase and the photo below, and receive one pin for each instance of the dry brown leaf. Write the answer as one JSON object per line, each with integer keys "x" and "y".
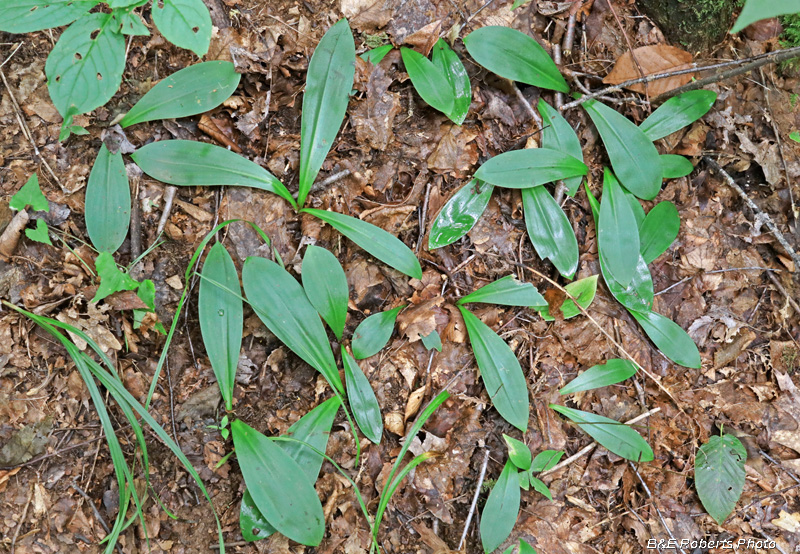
{"x": 424, "y": 39}
{"x": 414, "y": 402}
{"x": 658, "y": 58}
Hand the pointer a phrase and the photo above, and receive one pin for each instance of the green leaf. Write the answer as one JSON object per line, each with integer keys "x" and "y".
{"x": 432, "y": 341}
{"x": 280, "y": 302}
{"x": 384, "y": 246}
{"x": 583, "y": 290}
{"x": 429, "y": 81}
{"x": 507, "y": 291}
{"x": 500, "y": 512}
{"x": 524, "y": 547}
{"x": 524, "y": 480}
{"x": 550, "y": 231}
{"x": 40, "y": 233}
{"x": 451, "y": 67}
{"x": 375, "y": 55}
{"x": 541, "y": 488}
{"x": 112, "y": 279}
{"x": 521, "y": 169}
{"x": 374, "y": 333}
{"x": 756, "y": 10}
{"x": 147, "y": 293}
{"x": 635, "y": 160}
{"x": 659, "y": 229}
{"x": 459, "y": 214}
{"x": 795, "y": 136}
{"x": 185, "y": 23}
{"x": 326, "y": 287}
{"x": 108, "y": 202}
{"x": 617, "y": 232}
{"x": 518, "y": 453}
{"x": 366, "y": 410}
{"x": 30, "y": 195}
{"x": 514, "y": 6}
{"x": 500, "y": 370}
{"x": 546, "y": 459}
{"x": 636, "y": 208}
{"x": 193, "y": 90}
{"x": 192, "y": 163}
{"x": 674, "y": 166}
{"x": 719, "y": 475}
{"x": 130, "y": 23}
{"x": 27, "y": 16}
{"x": 85, "y": 67}
{"x": 669, "y": 338}
{"x": 558, "y": 134}
{"x": 616, "y": 437}
{"x": 278, "y": 486}
{"x": 678, "y": 112}
{"x": 328, "y": 84}
{"x": 221, "y": 318}
{"x": 515, "y": 56}
{"x": 609, "y": 373}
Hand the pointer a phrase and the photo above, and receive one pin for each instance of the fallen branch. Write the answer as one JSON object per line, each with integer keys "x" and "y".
{"x": 481, "y": 476}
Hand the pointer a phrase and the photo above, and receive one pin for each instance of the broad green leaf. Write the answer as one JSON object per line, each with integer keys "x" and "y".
{"x": 459, "y": 214}
{"x": 500, "y": 512}
{"x": 674, "y": 166}
{"x": 636, "y": 208}
{"x": 115, "y": 4}
{"x": 659, "y": 230}
{"x": 375, "y": 55}
{"x": 515, "y": 56}
{"x": 524, "y": 480}
{"x": 558, "y": 134}
{"x": 451, "y": 67}
{"x": 429, "y": 81}
{"x": 328, "y": 84}
{"x": 432, "y": 341}
{"x": 617, "y": 232}
{"x": 521, "y": 169}
{"x": 507, "y": 291}
{"x": 756, "y": 10}
{"x": 525, "y": 548}
{"x": 326, "y": 287}
{"x": 192, "y": 163}
{"x": 719, "y": 475}
{"x": 669, "y": 338}
{"x": 541, "y": 488}
{"x": 147, "y": 293}
{"x": 39, "y": 234}
{"x": 278, "y": 486}
{"x": 550, "y": 231}
{"x": 280, "y": 302}
{"x": 374, "y": 333}
{"x": 30, "y": 195}
{"x": 500, "y": 370}
{"x": 366, "y": 410}
{"x": 85, "y": 67}
{"x": 112, "y": 279}
{"x": 130, "y": 23}
{"x": 193, "y": 90}
{"x": 221, "y": 318}
{"x": 795, "y": 136}
{"x": 546, "y": 459}
{"x": 185, "y": 23}
{"x": 108, "y": 202}
{"x": 27, "y": 16}
{"x": 518, "y": 453}
{"x": 583, "y": 290}
{"x": 678, "y": 112}
{"x": 384, "y": 246}
{"x": 635, "y": 160}
{"x": 616, "y": 437}
{"x": 609, "y": 373}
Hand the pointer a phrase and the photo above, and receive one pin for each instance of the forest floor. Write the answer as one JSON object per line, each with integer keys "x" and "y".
{"x": 725, "y": 280}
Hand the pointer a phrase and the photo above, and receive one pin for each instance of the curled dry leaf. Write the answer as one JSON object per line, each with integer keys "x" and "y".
{"x": 393, "y": 421}
{"x": 657, "y": 58}
{"x": 414, "y": 402}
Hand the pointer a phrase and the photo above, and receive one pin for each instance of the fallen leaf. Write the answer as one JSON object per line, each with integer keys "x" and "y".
{"x": 658, "y": 58}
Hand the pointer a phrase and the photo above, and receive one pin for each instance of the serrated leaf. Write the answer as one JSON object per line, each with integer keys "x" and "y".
{"x": 429, "y": 82}
{"x": 366, "y": 410}
{"x": 451, "y": 67}
{"x": 112, "y": 279}
{"x": 518, "y": 453}
{"x": 674, "y": 166}
{"x": 326, "y": 287}
{"x": 500, "y": 371}
{"x": 678, "y": 112}
{"x": 719, "y": 475}
{"x": 539, "y": 486}
{"x": 617, "y": 232}
{"x": 185, "y": 23}
{"x": 432, "y": 341}
{"x": 521, "y": 169}
{"x": 459, "y": 214}
{"x": 328, "y": 84}
{"x": 550, "y": 231}
{"x": 659, "y": 229}
{"x": 30, "y": 195}
{"x": 583, "y": 290}
{"x": 28, "y": 16}
{"x": 374, "y": 333}
{"x": 108, "y": 202}
{"x": 558, "y": 134}
{"x": 39, "y": 234}
{"x": 516, "y": 56}
{"x": 546, "y": 459}
{"x": 616, "y": 437}
{"x": 375, "y": 55}
{"x": 507, "y": 291}
{"x": 601, "y": 375}
{"x": 500, "y": 512}
{"x": 669, "y": 338}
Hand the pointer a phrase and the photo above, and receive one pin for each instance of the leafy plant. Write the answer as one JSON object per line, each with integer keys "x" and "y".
{"x": 609, "y": 373}
{"x": 108, "y": 202}
{"x": 719, "y": 475}
{"x": 31, "y": 195}
{"x": 755, "y": 10}
{"x": 374, "y": 333}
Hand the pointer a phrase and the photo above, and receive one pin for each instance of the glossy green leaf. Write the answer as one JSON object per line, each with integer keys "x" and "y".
{"x": 432, "y": 341}
{"x": 326, "y": 287}
{"x": 583, "y": 290}
{"x": 366, "y": 410}
{"x": 609, "y": 373}
{"x": 278, "y": 486}
{"x": 112, "y": 278}
{"x": 39, "y": 233}
{"x": 281, "y": 303}
{"x": 429, "y": 82}
{"x": 616, "y": 437}
{"x": 546, "y": 459}
{"x": 550, "y": 231}
{"x": 191, "y": 163}
{"x": 674, "y": 166}
{"x": 525, "y": 548}
{"x": 108, "y": 202}
{"x": 193, "y": 90}
{"x": 516, "y": 56}
{"x": 678, "y": 112}
{"x": 374, "y": 333}
{"x": 756, "y": 10}
{"x": 518, "y": 453}
{"x": 521, "y": 169}
{"x": 328, "y": 84}
{"x": 617, "y": 232}
{"x": 185, "y": 23}
{"x": 500, "y": 370}
{"x": 459, "y": 214}
{"x": 384, "y": 246}
{"x": 451, "y": 67}
{"x": 375, "y": 55}
{"x": 635, "y": 160}
{"x": 85, "y": 67}
{"x": 719, "y": 475}
{"x": 541, "y": 488}
{"x": 636, "y": 208}
{"x": 669, "y": 338}
{"x": 558, "y": 134}
{"x": 500, "y": 512}
{"x": 27, "y": 16}
{"x": 507, "y": 291}
{"x": 221, "y": 318}
{"x": 659, "y": 229}
{"x": 30, "y": 195}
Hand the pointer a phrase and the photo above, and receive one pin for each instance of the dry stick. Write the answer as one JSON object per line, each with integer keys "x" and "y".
{"x": 650, "y": 496}
{"x": 783, "y": 291}
{"x": 21, "y": 521}
{"x": 97, "y": 513}
{"x": 760, "y": 216}
{"x": 569, "y": 38}
{"x": 528, "y": 107}
{"x": 423, "y": 219}
{"x": 169, "y": 197}
{"x": 330, "y": 180}
{"x": 474, "y": 504}
{"x": 630, "y": 49}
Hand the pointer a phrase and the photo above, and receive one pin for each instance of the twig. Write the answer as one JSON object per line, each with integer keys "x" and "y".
{"x": 780, "y": 465}
{"x": 11, "y": 55}
{"x": 569, "y": 38}
{"x": 22, "y": 520}
{"x": 474, "y": 504}
{"x": 97, "y": 513}
{"x": 660, "y": 516}
{"x": 169, "y": 197}
{"x": 770, "y": 539}
{"x": 782, "y": 290}
{"x": 319, "y": 185}
{"x": 528, "y": 108}
{"x": 423, "y": 216}
{"x": 34, "y": 461}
